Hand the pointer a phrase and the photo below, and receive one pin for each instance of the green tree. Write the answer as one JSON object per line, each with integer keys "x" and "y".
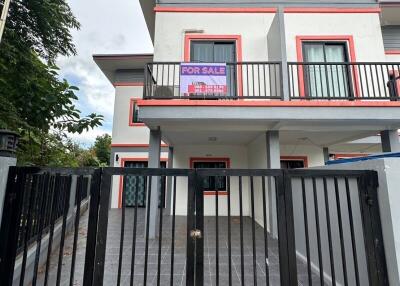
{"x": 33, "y": 99}
{"x": 102, "y": 149}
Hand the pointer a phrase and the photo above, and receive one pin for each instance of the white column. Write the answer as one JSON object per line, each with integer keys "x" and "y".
{"x": 390, "y": 141}
{"x": 5, "y": 164}
{"x": 154, "y": 162}
{"x": 273, "y": 162}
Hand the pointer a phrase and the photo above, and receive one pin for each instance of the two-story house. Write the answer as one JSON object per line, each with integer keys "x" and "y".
{"x": 255, "y": 84}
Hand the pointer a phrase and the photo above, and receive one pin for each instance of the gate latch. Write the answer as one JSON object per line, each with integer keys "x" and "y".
{"x": 195, "y": 234}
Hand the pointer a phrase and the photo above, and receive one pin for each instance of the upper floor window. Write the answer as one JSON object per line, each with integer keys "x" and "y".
{"x": 325, "y": 76}
{"x": 134, "y": 116}
{"x": 217, "y": 52}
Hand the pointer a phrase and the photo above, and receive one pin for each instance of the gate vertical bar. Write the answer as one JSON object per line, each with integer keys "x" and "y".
{"x": 92, "y": 228}
{"x": 371, "y": 222}
{"x": 9, "y": 225}
{"x": 102, "y": 225}
{"x": 199, "y": 264}
{"x": 286, "y": 235}
{"x": 190, "y": 248}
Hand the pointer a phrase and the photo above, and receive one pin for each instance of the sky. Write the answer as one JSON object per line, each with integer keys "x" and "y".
{"x": 107, "y": 27}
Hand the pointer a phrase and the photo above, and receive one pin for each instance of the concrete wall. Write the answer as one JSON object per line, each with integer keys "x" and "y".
{"x": 389, "y": 197}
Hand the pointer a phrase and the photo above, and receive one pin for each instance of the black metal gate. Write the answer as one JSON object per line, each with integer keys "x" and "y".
{"x": 326, "y": 230}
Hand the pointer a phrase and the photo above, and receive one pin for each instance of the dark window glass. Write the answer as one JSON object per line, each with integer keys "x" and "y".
{"x": 292, "y": 164}
{"x": 135, "y": 113}
{"x": 212, "y": 183}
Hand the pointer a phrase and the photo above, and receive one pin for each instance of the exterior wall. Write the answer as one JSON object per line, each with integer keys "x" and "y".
{"x": 123, "y": 133}
{"x": 260, "y": 3}
{"x": 365, "y": 29}
{"x": 169, "y": 33}
{"x": 393, "y": 57}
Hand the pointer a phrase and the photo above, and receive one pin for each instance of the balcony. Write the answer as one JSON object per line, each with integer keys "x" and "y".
{"x": 278, "y": 81}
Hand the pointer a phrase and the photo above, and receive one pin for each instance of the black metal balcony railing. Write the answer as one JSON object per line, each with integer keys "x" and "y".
{"x": 256, "y": 80}
{"x": 265, "y": 80}
{"x": 346, "y": 81}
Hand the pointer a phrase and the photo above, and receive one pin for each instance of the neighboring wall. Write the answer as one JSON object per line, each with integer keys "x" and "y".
{"x": 388, "y": 197}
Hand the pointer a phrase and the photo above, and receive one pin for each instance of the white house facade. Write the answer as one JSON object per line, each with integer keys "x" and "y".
{"x": 306, "y": 81}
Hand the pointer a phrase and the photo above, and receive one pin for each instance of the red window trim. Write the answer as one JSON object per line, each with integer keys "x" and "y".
{"x": 202, "y": 37}
{"x": 121, "y": 178}
{"x": 131, "y": 114}
{"x": 226, "y": 160}
{"x": 349, "y": 39}
{"x": 296, "y": 158}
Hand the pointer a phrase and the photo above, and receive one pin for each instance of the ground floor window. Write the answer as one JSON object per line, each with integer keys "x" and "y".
{"x": 137, "y": 185}
{"x": 214, "y": 184}
{"x": 289, "y": 162}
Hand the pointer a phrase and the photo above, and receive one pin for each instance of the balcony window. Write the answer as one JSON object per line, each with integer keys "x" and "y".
{"x": 323, "y": 79}
{"x": 134, "y": 114}
{"x": 217, "y": 52}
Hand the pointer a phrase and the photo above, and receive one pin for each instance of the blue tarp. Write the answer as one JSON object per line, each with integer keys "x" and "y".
{"x": 367, "y": 158}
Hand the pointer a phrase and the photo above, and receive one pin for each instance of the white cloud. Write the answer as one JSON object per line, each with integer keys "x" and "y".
{"x": 107, "y": 27}
{"x": 87, "y": 138}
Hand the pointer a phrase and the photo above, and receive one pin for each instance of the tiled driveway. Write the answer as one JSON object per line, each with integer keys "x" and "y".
{"x": 179, "y": 278}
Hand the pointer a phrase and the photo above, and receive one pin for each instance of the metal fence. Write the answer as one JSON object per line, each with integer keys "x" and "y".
{"x": 328, "y": 228}
{"x": 255, "y": 80}
{"x": 265, "y": 80}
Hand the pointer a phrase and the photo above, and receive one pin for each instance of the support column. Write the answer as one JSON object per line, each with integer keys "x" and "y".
{"x": 390, "y": 141}
{"x": 273, "y": 162}
{"x": 170, "y": 180}
{"x": 154, "y": 162}
{"x": 325, "y": 150}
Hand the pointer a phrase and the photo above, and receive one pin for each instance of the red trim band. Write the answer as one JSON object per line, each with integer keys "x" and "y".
{"x": 331, "y": 10}
{"x": 392, "y": 52}
{"x": 215, "y": 10}
{"x": 265, "y": 103}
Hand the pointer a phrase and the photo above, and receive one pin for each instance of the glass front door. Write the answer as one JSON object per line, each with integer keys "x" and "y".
{"x": 326, "y": 80}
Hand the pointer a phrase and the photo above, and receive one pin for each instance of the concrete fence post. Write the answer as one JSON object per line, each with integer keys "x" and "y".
{"x": 8, "y": 146}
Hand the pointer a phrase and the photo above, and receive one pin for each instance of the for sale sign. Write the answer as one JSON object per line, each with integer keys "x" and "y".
{"x": 203, "y": 78}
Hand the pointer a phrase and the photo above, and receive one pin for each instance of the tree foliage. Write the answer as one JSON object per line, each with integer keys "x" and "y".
{"x": 33, "y": 99}
{"x": 102, "y": 149}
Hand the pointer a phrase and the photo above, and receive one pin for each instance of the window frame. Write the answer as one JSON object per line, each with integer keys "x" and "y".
{"x": 132, "y": 105}
{"x": 227, "y": 162}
